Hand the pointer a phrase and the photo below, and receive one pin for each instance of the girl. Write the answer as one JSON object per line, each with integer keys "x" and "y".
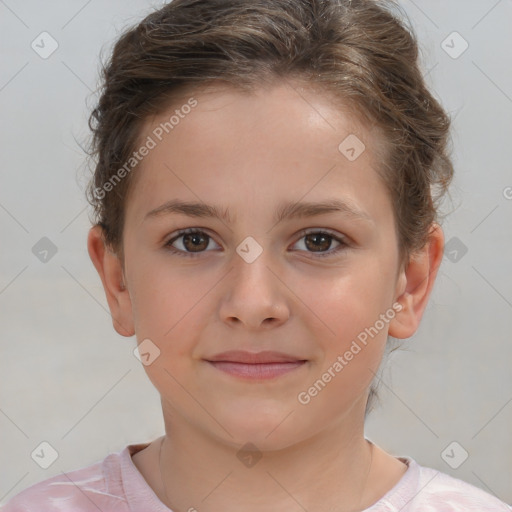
{"x": 266, "y": 190}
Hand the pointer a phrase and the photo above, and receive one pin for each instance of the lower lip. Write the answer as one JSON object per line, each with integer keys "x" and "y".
{"x": 258, "y": 371}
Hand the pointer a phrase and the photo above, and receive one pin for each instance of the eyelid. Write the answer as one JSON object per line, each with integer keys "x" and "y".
{"x": 186, "y": 231}
{"x": 326, "y": 231}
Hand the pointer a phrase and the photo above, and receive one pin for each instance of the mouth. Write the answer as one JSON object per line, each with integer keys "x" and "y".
{"x": 255, "y": 365}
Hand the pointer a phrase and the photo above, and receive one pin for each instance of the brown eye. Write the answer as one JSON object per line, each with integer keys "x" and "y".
{"x": 319, "y": 242}
{"x": 195, "y": 241}
{"x": 189, "y": 241}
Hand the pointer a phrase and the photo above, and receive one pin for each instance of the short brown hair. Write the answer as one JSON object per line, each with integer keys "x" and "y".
{"x": 358, "y": 51}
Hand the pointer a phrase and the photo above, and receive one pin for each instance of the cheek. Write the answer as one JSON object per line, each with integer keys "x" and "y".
{"x": 347, "y": 303}
{"x": 351, "y": 327}
{"x": 168, "y": 309}
{"x": 348, "y": 360}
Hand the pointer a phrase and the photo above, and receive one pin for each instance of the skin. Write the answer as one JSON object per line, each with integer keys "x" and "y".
{"x": 248, "y": 153}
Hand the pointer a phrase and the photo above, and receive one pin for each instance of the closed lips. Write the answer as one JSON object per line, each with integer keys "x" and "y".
{"x": 265, "y": 357}
{"x": 255, "y": 366}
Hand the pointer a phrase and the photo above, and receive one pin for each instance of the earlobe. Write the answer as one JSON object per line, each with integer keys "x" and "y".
{"x": 110, "y": 271}
{"x": 416, "y": 283}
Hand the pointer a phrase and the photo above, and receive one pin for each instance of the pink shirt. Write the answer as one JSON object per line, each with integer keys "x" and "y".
{"x": 116, "y": 485}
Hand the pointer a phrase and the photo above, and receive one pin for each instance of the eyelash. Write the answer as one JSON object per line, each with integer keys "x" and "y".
{"x": 192, "y": 231}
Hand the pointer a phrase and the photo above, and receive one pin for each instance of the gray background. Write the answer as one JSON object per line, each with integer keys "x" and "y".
{"x": 69, "y": 379}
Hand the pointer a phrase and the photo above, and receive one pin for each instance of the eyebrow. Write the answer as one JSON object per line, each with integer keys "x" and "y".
{"x": 285, "y": 211}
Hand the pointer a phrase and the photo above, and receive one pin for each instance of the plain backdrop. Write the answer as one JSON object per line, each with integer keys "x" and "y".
{"x": 67, "y": 377}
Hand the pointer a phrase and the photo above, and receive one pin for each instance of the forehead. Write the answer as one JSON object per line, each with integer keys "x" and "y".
{"x": 289, "y": 105}
{"x": 247, "y": 141}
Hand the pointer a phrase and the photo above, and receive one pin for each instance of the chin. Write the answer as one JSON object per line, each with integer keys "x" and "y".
{"x": 268, "y": 430}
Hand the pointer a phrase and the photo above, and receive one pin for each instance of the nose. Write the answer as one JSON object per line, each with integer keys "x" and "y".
{"x": 254, "y": 297}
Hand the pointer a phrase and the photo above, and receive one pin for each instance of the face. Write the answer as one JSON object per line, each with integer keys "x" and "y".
{"x": 291, "y": 248}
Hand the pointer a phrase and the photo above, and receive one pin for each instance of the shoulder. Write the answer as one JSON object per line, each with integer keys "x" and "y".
{"x": 434, "y": 491}
{"x": 86, "y": 489}
{"x": 453, "y": 494}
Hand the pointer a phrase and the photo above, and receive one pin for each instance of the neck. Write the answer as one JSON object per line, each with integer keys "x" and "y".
{"x": 330, "y": 471}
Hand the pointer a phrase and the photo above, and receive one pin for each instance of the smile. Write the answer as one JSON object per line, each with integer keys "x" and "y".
{"x": 266, "y": 364}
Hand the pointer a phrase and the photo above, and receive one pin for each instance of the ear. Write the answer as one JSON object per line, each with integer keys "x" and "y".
{"x": 415, "y": 283}
{"x": 110, "y": 269}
